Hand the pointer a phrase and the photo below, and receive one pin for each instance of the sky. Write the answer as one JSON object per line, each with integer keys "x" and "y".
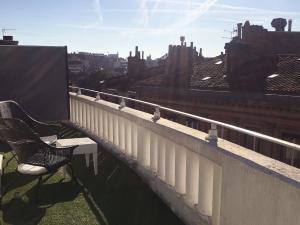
{"x": 111, "y": 26}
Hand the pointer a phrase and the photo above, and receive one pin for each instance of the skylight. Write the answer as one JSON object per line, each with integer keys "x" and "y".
{"x": 273, "y": 75}
{"x": 206, "y": 78}
{"x": 219, "y": 62}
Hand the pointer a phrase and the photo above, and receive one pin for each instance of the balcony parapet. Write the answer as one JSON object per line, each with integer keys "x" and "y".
{"x": 224, "y": 182}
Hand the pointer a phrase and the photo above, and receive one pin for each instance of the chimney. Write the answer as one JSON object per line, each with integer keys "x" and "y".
{"x": 142, "y": 54}
{"x": 192, "y": 44}
{"x": 279, "y": 24}
{"x": 182, "y": 38}
{"x": 130, "y": 54}
{"x": 200, "y": 52}
{"x": 136, "y": 50}
{"x": 222, "y": 56}
{"x": 8, "y": 40}
{"x": 290, "y": 25}
{"x": 239, "y": 30}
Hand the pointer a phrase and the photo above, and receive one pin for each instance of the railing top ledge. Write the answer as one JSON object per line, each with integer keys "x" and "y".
{"x": 225, "y": 125}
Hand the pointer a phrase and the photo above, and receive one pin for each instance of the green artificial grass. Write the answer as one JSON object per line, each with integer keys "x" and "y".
{"x": 116, "y": 196}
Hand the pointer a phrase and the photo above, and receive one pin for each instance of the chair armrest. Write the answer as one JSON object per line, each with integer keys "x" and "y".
{"x": 45, "y": 129}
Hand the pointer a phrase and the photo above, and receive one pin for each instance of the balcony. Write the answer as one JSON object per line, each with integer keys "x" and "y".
{"x": 204, "y": 179}
{"x": 184, "y": 175}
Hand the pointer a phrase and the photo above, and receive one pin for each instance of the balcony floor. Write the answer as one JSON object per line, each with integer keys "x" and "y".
{"x": 116, "y": 196}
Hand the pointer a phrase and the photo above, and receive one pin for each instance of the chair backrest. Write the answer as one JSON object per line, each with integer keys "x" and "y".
{"x": 11, "y": 109}
{"x": 20, "y": 137}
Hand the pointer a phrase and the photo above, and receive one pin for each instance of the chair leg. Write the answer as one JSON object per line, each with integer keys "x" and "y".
{"x": 73, "y": 177}
{"x": 38, "y": 188}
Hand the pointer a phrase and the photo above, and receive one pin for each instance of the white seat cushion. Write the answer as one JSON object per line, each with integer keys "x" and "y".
{"x": 31, "y": 169}
{"x": 49, "y": 139}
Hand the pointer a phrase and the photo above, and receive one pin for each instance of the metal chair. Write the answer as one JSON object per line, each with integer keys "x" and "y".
{"x": 11, "y": 109}
{"x": 34, "y": 157}
{"x": 46, "y": 131}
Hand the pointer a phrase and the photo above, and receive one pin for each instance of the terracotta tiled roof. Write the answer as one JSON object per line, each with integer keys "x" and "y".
{"x": 288, "y": 77}
{"x": 211, "y": 74}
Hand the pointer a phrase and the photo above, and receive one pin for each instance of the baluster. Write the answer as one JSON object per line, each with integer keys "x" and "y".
{"x": 71, "y": 110}
{"x": 217, "y": 190}
{"x": 84, "y": 115}
{"x": 92, "y": 121}
{"x": 192, "y": 174}
{"x": 161, "y": 157}
{"x": 180, "y": 169}
{"x": 205, "y": 193}
{"x": 96, "y": 124}
{"x": 77, "y": 112}
{"x": 116, "y": 121}
{"x": 105, "y": 123}
{"x": 110, "y": 127}
{"x": 170, "y": 163}
{"x": 153, "y": 152}
{"x": 128, "y": 134}
{"x": 134, "y": 139}
{"x": 122, "y": 134}
{"x": 80, "y": 113}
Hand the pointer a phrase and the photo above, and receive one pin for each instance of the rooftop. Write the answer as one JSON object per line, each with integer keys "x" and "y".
{"x": 115, "y": 196}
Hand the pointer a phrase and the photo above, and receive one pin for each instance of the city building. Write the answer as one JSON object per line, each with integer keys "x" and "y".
{"x": 93, "y": 62}
{"x": 255, "y": 84}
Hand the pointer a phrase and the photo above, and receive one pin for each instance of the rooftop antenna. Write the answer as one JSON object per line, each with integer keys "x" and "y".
{"x": 232, "y": 33}
{"x": 6, "y": 29}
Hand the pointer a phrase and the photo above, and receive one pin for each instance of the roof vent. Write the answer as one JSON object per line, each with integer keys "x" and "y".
{"x": 206, "y": 78}
{"x": 273, "y": 75}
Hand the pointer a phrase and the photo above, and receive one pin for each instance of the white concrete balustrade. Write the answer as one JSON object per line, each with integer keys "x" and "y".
{"x": 225, "y": 183}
